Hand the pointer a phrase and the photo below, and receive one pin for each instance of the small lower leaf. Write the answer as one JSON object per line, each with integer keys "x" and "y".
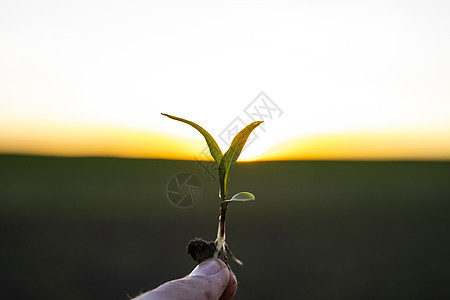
{"x": 243, "y": 196}
{"x": 239, "y": 197}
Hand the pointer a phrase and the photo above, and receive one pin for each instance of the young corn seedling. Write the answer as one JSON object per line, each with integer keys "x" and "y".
{"x": 200, "y": 249}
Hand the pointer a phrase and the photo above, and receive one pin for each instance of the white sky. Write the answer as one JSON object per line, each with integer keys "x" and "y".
{"x": 330, "y": 66}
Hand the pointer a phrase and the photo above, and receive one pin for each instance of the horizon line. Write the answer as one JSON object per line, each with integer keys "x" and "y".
{"x": 23, "y": 154}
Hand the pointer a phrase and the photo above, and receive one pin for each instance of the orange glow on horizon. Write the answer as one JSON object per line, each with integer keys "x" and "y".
{"x": 66, "y": 140}
{"x": 71, "y": 140}
{"x": 364, "y": 146}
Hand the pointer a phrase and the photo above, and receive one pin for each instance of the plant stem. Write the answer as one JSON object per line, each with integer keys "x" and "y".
{"x": 223, "y": 212}
{"x": 220, "y": 241}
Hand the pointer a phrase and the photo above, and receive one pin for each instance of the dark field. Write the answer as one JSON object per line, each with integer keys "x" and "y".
{"x": 103, "y": 228}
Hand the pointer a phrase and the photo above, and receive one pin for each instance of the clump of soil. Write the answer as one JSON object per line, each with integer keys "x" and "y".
{"x": 200, "y": 249}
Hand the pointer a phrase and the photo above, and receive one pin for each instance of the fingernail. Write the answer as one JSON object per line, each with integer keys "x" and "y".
{"x": 207, "y": 268}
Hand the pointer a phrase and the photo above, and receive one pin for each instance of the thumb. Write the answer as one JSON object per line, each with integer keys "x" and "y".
{"x": 206, "y": 282}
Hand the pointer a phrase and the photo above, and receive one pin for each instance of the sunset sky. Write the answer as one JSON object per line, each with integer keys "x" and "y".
{"x": 340, "y": 79}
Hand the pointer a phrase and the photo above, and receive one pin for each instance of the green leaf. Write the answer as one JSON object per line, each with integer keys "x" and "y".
{"x": 232, "y": 154}
{"x": 239, "y": 197}
{"x": 243, "y": 197}
{"x": 214, "y": 149}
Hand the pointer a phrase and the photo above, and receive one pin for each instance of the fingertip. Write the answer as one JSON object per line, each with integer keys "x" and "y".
{"x": 231, "y": 288}
{"x": 212, "y": 278}
{"x": 207, "y": 267}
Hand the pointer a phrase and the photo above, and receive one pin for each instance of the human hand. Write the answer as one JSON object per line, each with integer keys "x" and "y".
{"x": 210, "y": 280}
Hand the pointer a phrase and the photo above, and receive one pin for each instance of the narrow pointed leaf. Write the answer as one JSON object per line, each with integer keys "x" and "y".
{"x": 214, "y": 149}
{"x": 232, "y": 154}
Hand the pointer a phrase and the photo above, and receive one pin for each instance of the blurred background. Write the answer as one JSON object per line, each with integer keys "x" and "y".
{"x": 351, "y": 167}
{"x": 90, "y": 228}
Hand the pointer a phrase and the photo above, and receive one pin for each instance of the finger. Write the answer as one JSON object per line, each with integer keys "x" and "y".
{"x": 206, "y": 282}
{"x": 231, "y": 288}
